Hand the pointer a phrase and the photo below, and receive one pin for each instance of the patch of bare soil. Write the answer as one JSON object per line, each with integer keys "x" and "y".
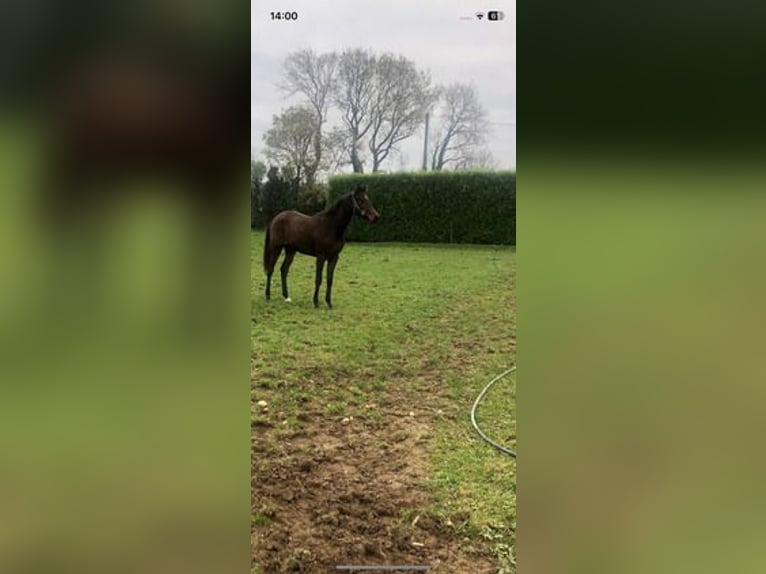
{"x": 335, "y": 493}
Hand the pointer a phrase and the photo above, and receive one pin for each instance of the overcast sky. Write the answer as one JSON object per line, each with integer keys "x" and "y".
{"x": 429, "y": 32}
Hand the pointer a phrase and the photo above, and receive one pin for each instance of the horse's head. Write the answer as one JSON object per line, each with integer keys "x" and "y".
{"x": 363, "y": 206}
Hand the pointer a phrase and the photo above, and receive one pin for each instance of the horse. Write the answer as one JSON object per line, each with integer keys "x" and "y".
{"x": 320, "y": 235}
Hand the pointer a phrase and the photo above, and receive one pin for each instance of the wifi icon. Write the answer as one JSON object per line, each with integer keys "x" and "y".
{"x": 480, "y": 15}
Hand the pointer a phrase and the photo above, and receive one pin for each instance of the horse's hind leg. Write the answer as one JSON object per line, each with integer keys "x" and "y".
{"x": 289, "y": 255}
{"x": 272, "y": 262}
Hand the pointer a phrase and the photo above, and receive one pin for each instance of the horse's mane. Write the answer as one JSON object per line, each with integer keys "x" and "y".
{"x": 333, "y": 207}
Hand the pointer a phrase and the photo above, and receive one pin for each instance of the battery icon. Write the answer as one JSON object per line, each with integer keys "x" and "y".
{"x": 495, "y": 15}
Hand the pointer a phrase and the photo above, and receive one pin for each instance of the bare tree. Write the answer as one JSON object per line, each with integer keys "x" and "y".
{"x": 478, "y": 158}
{"x": 354, "y": 94}
{"x": 463, "y": 127}
{"x": 289, "y": 141}
{"x": 401, "y": 97}
{"x": 337, "y": 150}
{"x": 312, "y": 76}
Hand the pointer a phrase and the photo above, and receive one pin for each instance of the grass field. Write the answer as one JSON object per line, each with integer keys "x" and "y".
{"x": 363, "y": 452}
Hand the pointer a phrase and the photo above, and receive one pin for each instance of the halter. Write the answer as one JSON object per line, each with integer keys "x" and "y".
{"x": 357, "y": 209}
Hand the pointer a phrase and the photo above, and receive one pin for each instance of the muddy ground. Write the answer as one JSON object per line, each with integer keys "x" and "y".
{"x": 332, "y": 492}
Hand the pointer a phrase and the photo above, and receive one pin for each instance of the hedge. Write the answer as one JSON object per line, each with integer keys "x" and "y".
{"x": 436, "y": 207}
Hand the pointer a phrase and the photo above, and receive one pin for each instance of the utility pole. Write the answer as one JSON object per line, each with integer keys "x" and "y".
{"x": 425, "y": 145}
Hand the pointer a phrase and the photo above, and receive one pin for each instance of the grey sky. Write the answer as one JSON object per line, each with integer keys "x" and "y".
{"x": 429, "y": 32}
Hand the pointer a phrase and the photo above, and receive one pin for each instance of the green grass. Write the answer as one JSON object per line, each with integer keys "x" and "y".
{"x": 436, "y": 322}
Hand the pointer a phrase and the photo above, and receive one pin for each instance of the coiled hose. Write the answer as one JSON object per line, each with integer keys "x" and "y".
{"x": 482, "y": 434}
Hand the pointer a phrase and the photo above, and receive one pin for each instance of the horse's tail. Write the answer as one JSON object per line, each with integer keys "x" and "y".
{"x": 267, "y": 248}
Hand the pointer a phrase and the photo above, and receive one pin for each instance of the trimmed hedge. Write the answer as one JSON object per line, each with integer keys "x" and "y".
{"x": 436, "y": 207}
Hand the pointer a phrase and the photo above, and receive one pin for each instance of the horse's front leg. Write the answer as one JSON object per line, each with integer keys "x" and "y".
{"x": 330, "y": 272}
{"x": 318, "y": 280}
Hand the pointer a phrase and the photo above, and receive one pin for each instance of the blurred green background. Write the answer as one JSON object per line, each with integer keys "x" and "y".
{"x": 641, "y": 369}
{"x": 640, "y": 287}
{"x": 123, "y": 314}
{"x": 123, "y": 389}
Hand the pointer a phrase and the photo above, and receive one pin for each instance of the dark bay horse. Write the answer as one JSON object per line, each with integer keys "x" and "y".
{"x": 320, "y": 235}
